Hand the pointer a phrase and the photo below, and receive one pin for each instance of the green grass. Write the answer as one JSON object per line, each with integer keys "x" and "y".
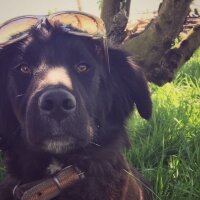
{"x": 2, "y": 169}
{"x": 166, "y": 149}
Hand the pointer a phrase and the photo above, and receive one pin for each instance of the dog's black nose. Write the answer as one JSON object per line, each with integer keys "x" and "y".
{"x": 57, "y": 103}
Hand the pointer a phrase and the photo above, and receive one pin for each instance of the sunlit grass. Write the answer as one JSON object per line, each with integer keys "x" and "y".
{"x": 167, "y": 148}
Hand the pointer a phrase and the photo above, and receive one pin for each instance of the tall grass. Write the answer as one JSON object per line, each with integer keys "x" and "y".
{"x": 166, "y": 149}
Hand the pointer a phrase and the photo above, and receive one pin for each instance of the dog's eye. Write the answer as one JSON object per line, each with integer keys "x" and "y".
{"x": 25, "y": 69}
{"x": 82, "y": 68}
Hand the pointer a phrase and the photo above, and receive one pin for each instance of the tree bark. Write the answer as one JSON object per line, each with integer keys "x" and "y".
{"x": 115, "y": 15}
{"x": 149, "y": 47}
{"x": 79, "y": 5}
{"x": 189, "y": 45}
{"x": 109, "y": 9}
{"x": 174, "y": 58}
{"x": 153, "y": 49}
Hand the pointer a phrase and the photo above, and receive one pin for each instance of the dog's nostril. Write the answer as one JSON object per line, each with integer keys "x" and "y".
{"x": 47, "y": 105}
{"x": 65, "y": 104}
{"x": 68, "y": 104}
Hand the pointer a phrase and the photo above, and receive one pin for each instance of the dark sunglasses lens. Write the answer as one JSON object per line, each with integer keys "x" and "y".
{"x": 87, "y": 24}
{"x": 84, "y": 25}
{"x": 15, "y": 27}
{"x": 77, "y": 23}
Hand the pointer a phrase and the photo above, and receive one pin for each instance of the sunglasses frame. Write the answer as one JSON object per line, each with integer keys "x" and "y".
{"x": 39, "y": 19}
{"x": 68, "y": 28}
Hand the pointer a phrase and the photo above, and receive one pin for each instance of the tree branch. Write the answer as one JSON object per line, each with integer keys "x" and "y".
{"x": 149, "y": 47}
{"x": 117, "y": 34}
{"x": 115, "y": 16}
{"x": 109, "y": 9}
{"x": 174, "y": 58}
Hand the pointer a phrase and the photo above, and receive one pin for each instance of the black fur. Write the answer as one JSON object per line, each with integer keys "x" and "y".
{"x": 94, "y": 133}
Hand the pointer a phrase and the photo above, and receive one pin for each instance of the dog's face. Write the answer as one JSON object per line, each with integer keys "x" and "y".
{"x": 58, "y": 89}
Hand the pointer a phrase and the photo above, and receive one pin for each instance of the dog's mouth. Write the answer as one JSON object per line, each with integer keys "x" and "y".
{"x": 59, "y": 144}
{"x": 60, "y": 138}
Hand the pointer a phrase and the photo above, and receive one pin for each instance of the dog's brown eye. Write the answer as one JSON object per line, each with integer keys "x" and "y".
{"x": 81, "y": 68}
{"x": 25, "y": 69}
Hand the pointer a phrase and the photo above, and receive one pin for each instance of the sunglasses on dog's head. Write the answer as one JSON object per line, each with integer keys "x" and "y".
{"x": 71, "y": 22}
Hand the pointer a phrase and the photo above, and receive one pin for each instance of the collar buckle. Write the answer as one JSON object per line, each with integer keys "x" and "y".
{"x": 49, "y": 188}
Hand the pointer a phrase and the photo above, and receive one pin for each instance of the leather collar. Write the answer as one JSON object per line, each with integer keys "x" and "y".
{"x": 47, "y": 189}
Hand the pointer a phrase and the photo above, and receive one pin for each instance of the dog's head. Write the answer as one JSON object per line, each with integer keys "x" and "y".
{"x": 58, "y": 90}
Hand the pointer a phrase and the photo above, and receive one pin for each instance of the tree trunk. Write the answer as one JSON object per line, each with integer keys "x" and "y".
{"x": 174, "y": 58}
{"x": 79, "y": 5}
{"x": 115, "y": 15}
{"x": 153, "y": 48}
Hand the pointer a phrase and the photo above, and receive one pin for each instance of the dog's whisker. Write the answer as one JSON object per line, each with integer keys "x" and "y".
{"x": 141, "y": 182}
{"x": 98, "y": 145}
{"x": 19, "y": 95}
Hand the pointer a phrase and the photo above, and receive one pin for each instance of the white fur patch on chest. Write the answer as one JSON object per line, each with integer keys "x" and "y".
{"x": 54, "y": 167}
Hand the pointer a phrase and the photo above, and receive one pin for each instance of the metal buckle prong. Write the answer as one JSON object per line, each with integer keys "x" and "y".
{"x": 17, "y": 192}
{"x": 57, "y": 182}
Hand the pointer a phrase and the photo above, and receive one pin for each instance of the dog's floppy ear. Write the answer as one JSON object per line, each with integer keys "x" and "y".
{"x": 130, "y": 85}
{"x": 8, "y": 121}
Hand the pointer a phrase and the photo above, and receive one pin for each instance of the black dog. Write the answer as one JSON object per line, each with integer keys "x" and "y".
{"x": 61, "y": 105}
